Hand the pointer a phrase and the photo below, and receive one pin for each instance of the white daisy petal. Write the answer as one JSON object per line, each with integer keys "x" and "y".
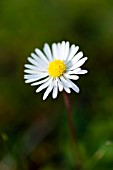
{"x": 59, "y": 52}
{"x": 55, "y": 89}
{"x": 66, "y": 51}
{"x": 48, "y": 90}
{"x": 54, "y": 51}
{"x": 82, "y": 72}
{"x": 62, "y": 50}
{"x": 31, "y": 67}
{"x": 64, "y": 82}
{"x": 73, "y": 77}
{"x": 31, "y": 71}
{"x": 73, "y": 51}
{"x": 39, "y": 61}
{"x": 33, "y": 79}
{"x": 44, "y": 85}
{"x": 73, "y": 86}
{"x": 80, "y": 62}
{"x": 60, "y": 86}
{"x": 32, "y": 61}
{"x": 29, "y": 76}
{"x": 40, "y": 82}
{"x": 74, "y": 71}
{"x": 35, "y": 57}
{"x": 77, "y": 57}
{"x": 30, "y": 80}
{"x": 63, "y": 85}
{"x": 69, "y": 66}
{"x": 41, "y": 55}
{"x": 36, "y": 70}
{"x": 67, "y": 89}
{"x": 47, "y": 51}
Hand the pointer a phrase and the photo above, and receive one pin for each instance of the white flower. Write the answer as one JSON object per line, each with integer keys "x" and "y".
{"x": 55, "y": 69}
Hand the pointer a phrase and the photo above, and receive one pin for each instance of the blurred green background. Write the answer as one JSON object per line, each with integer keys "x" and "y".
{"x": 34, "y": 133}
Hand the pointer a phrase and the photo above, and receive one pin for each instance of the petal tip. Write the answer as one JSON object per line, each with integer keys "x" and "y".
{"x": 78, "y": 91}
{"x": 86, "y": 71}
{"x": 37, "y": 91}
{"x": 86, "y": 58}
{"x": 44, "y": 98}
{"x": 54, "y": 97}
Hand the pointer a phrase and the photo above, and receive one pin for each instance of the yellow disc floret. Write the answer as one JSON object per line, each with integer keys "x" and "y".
{"x": 56, "y": 68}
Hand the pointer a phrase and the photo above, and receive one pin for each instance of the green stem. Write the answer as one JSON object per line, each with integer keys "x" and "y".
{"x": 72, "y": 133}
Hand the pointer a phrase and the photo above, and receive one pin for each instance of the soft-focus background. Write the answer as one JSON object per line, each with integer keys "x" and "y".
{"x": 34, "y": 133}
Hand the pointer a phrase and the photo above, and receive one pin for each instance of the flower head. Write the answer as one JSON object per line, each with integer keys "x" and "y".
{"x": 55, "y": 69}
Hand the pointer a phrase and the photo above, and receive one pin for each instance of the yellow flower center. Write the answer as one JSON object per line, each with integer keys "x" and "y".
{"x": 56, "y": 68}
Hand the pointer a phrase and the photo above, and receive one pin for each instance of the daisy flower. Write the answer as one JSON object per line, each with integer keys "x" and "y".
{"x": 55, "y": 68}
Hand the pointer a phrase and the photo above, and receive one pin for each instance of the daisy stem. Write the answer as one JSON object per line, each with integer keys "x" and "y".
{"x": 72, "y": 134}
